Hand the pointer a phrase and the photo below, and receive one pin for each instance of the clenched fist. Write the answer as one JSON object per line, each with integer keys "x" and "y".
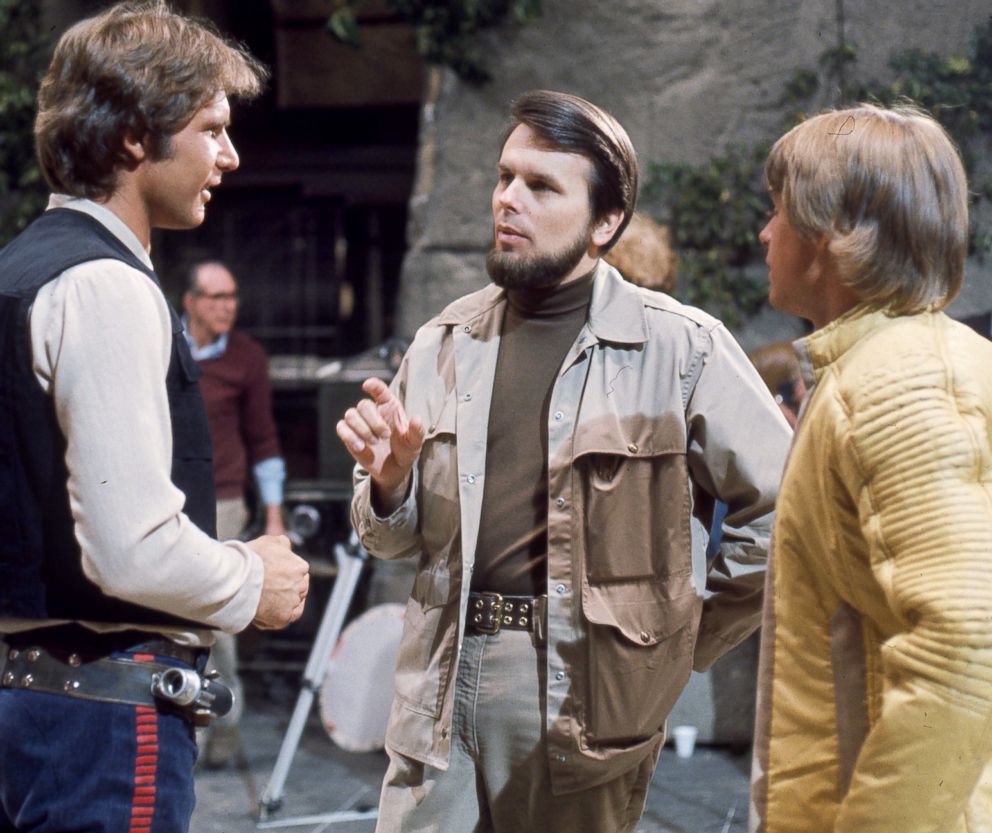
{"x": 285, "y": 585}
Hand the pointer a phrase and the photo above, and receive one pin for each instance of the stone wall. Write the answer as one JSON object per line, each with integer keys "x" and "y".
{"x": 685, "y": 77}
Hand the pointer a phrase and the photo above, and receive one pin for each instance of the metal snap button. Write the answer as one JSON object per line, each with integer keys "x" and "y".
{"x": 632, "y": 448}
{"x": 645, "y": 636}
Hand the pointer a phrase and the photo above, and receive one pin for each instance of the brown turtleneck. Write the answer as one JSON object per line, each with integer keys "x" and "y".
{"x": 538, "y": 329}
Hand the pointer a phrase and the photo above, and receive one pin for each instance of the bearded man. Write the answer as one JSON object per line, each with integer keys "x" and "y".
{"x": 551, "y": 450}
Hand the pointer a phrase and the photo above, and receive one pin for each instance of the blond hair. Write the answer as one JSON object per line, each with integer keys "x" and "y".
{"x": 887, "y": 188}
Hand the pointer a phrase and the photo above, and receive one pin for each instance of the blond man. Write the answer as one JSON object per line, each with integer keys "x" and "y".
{"x": 875, "y": 691}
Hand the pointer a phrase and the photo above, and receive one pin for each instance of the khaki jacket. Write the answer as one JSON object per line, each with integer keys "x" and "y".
{"x": 656, "y": 411}
{"x": 875, "y": 696}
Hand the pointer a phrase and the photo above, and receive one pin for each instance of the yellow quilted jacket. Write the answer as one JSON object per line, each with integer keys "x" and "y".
{"x": 875, "y": 690}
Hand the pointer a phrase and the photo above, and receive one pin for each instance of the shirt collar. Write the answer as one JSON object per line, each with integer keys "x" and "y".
{"x": 114, "y": 224}
{"x": 214, "y": 350}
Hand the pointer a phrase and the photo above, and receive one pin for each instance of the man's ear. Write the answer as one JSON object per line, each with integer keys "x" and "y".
{"x": 823, "y": 261}
{"x": 605, "y": 227}
{"x": 135, "y": 148}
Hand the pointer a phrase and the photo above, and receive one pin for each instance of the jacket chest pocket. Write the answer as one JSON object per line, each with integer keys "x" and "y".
{"x": 636, "y": 516}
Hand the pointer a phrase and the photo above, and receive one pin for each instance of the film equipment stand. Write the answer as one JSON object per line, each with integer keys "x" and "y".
{"x": 351, "y": 559}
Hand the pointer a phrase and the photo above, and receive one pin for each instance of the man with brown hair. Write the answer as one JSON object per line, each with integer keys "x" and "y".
{"x": 551, "y": 450}
{"x": 111, "y": 584}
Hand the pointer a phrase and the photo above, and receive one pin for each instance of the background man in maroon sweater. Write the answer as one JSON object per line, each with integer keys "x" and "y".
{"x": 238, "y": 398}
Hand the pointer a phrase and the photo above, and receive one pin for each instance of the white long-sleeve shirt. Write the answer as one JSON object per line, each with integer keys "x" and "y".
{"x": 101, "y": 339}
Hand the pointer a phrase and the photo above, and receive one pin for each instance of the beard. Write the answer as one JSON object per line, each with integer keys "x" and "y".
{"x": 537, "y": 271}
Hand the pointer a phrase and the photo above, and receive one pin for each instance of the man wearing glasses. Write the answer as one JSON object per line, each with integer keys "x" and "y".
{"x": 238, "y": 399}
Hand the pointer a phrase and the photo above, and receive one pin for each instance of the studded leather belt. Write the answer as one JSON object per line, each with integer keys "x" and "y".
{"x": 492, "y": 612}
{"x": 137, "y": 679}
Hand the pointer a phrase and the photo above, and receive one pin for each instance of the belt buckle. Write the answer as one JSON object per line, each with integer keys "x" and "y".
{"x": 495, "y": 602}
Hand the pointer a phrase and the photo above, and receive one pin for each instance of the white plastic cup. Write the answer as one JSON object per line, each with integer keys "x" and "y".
{"x": 685, "y": 740}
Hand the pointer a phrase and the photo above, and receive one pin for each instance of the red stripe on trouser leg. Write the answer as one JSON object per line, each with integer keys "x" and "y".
{"x": 145, "y": 765}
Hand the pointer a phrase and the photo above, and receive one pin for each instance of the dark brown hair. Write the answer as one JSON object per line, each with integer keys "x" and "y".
{"x": 573, "y": 125}
{"x": 137, "y": 70}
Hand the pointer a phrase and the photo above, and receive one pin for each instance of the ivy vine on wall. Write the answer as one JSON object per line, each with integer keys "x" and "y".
{"x": 23, "y": 52}
{"x": 714, "y": 211}
{"x": 445, "y": 30}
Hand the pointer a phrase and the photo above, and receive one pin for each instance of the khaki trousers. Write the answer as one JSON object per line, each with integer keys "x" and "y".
{"x": 498, "y": 780}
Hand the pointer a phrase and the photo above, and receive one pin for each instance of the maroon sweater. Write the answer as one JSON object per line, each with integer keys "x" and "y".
{"x": 238, "y": 397}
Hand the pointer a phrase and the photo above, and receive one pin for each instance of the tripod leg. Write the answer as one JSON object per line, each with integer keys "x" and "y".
{"x": 350, "y": 563}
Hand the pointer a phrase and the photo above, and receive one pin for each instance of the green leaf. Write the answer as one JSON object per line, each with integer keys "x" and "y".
{"x": 344, "y": 26}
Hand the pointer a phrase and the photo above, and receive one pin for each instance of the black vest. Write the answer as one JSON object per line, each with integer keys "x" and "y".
{"x": 41, "y": 575}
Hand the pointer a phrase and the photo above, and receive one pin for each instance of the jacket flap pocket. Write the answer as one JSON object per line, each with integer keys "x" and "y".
{"x": 637, "y": 610}
{"x": 440, "y": 419}
{"x": 634, "y": 435}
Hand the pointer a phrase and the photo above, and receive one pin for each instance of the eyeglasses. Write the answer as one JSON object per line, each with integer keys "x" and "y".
{"x": 218, "y": 297}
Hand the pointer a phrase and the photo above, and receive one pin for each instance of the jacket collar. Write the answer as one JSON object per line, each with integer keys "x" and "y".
{"x": 818, "y": 351}
{"x": 616, "y": 311}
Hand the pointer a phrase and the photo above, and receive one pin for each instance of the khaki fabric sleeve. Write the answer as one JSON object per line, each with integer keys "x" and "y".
{"x": 738, "y": 442}
{"x": 394, "y": 535}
